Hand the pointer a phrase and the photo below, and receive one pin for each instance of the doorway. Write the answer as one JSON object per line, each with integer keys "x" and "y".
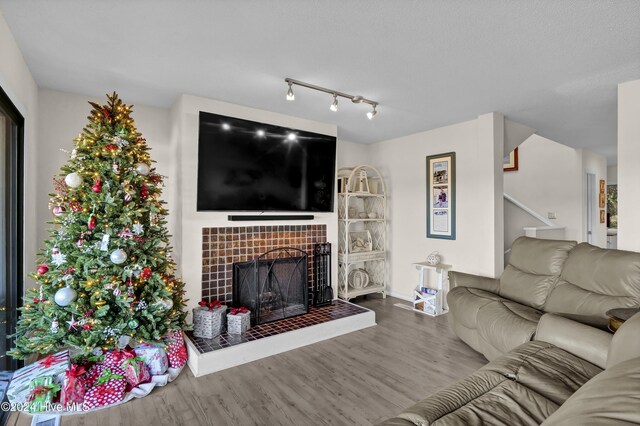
{"x": 592, "y": 208}
{"x": 11, "y": 231}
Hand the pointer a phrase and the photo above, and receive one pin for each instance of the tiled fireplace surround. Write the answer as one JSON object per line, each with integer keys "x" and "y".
{"x": 222, "y": 247}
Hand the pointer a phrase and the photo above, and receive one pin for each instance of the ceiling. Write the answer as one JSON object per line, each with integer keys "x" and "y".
{"x": 550, "y": 64}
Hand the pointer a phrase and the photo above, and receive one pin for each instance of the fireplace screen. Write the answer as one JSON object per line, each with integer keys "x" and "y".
{"x": 274, "y": 286}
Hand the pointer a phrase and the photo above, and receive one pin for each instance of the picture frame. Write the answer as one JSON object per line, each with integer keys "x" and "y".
{"x": 510, "y": 162}
{"x": 360, "y": 242}
{"x": 441, "y": 196}
{"x": 602, "y": 198}
{"x": 603, "y": 218}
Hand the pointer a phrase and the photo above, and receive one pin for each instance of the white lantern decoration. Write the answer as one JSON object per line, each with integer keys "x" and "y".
{"x": 65, "y": 296}
{"x": 74, "y": 180}
{"x": 118, "y": 256}
{"x": 142, "y": 169}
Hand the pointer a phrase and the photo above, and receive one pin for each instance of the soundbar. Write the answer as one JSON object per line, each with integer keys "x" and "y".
{"x": 256, "y": 217}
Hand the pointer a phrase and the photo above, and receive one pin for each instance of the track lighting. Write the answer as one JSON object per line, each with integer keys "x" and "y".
{"x": 372, "y": 113}
{"x": 334, "y": 105}
{"x": 290, "y": 95}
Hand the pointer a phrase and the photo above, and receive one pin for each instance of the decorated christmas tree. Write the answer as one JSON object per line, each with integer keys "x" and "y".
{"x": 105, "y": 277}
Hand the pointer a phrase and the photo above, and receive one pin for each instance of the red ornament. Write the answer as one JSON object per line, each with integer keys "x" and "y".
{"x": 75, "y": 206}
{"x": 106, "y": 113}
{"x": 144, "y": 192}
{"x": 92, "y": 222}
{"x": 97, "y": 187}
{"x": 111, "y": 147}
{"x": 86, "y": 326}
{"x": 43, "y": 269}
{"x": 146, "y": 273}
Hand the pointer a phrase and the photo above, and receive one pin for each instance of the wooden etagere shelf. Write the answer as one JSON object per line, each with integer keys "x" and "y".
{"x": 362, "y": 232}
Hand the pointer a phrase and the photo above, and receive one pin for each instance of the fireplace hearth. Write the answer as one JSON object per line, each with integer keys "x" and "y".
{"x": 274, "y": 286}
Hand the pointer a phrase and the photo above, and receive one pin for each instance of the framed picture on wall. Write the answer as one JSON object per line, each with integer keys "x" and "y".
{"x": 510, "y": 162}
{"x": 441, "y": 196}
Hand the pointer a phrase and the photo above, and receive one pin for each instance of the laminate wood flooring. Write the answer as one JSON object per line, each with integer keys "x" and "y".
{"x": 356, "y": 379}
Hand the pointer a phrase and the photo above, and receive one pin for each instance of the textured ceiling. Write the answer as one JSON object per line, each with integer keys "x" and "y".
{"x": 552, "y": 65}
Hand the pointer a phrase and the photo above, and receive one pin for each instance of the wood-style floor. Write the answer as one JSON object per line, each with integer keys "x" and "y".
{"x": 356, "y": 379}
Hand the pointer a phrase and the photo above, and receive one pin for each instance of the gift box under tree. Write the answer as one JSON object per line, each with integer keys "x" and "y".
{"x": 238, "y": 320}
{"x": 209, "y": 319}
{"x": 42, "y": 392}
{"x": 52, "y": 365}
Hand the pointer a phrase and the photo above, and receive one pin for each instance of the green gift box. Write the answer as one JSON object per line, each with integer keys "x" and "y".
{"x": 42, "y": 391}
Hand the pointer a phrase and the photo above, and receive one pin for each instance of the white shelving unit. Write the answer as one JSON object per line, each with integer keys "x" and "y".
{"x": 435, "y": 303}
{"x": 362, "y": 212}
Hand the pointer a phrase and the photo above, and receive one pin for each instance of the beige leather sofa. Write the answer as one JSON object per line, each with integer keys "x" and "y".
{"x": 579, "y": 281}
{"x": 558, "y": 379}
{"x": 542, "y": 324}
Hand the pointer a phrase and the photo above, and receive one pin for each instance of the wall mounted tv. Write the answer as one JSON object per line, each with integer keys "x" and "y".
{"x": 249, "y": 166}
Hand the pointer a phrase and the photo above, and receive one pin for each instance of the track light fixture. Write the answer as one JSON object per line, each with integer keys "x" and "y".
{"x": 334, "y": 106}
{"x": 372, "y": 113}
{"x": 290, "y": 95}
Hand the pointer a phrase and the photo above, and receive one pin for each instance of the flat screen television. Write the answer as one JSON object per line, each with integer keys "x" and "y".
{"x": 250, "y": 166}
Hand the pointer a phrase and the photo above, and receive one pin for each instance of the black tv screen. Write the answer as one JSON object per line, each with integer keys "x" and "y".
{"x": 249, "y": 166}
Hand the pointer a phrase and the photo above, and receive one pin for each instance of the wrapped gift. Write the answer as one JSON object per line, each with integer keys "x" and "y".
{"x": 209, "y": 319}
{"x": 238, "y": 320}
{"x": 92, "y": 374}
{"x": 75, "y": 385}
{"x": 176, "y": 349}
{"x": 135, "y": 371}
{"x": 42, "y": 391}
{"x": 53, "y": 365}
{"x": 153, "y": 357}
{"x": 108, "y": 389}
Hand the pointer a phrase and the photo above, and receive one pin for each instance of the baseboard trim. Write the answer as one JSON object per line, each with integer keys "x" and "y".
{"x": 401, "y": 296}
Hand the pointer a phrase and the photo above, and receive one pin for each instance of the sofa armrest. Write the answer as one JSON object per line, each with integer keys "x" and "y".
{"x": 460, "y": 279}
{"x": 581, "y": 340}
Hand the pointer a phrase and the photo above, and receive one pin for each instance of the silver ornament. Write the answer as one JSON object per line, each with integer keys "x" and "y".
{"x": 74, "y": 180}
{"x": 65, "y": 296}
{"x": 167, "y": 304}
{"x": 142, "y": 169}
{"x": 118, "y": 256}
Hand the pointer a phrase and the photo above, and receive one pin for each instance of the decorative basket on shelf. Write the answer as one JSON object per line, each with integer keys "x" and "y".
{"x": 358, "y": 278}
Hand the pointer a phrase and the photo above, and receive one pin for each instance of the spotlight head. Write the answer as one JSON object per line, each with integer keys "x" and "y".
{"x": 372, "y": 113}
{"x": 290, "y": 95}
{"x": 260, "y": 133}
{"x": 334, "y": 105}
{"x": 291, "y": 136}
{"x": 226, "y": 126}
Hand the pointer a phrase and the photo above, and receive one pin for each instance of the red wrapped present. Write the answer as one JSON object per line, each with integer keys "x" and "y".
{"x": 108, "y": 389}
{"x": 176, "y": 349}
{"x": 93, "y": 374}
{"x": 135, "y": 371}
{"x": 116, "y": 357}
{"x": 75, "y": 385}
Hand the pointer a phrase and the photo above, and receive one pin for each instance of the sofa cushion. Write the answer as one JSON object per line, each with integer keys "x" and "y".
{"x": 593, "y": 281}
{"x": 465, "y": 302}
{"x": 506, "y": 325}
{"x": 533, "y": 268}
{"x": 522, "y": 387}
{"x": 610, "y": 398}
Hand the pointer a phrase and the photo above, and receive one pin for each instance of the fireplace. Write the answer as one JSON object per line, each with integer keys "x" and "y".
{"x": 274, "y": 286}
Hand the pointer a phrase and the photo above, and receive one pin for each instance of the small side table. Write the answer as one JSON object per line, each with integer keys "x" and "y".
{"x": 618, "y": 316}
{"x": 433, "y": 304}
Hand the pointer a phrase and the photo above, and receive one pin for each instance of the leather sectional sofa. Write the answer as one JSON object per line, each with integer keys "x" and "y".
{"x": 542, "y": 325}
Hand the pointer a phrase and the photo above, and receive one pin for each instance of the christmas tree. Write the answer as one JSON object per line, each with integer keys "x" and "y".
{"x": 105, "y": 277}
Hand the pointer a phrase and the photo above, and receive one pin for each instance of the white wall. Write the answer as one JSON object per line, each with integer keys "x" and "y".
{"x": 551, "y": 177}
{"x": 612, "y": 175}
{"x": 548, "y": 179}
{"x": 629, "y": 165}
{"x": 189, "y": 222}
{"x": 597, "y": 165}
{"x": 353, "y": 154}
{"x": 61, "y": 118}
{"x": 402, "y": 162}
{"x": 17, "y": 82}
